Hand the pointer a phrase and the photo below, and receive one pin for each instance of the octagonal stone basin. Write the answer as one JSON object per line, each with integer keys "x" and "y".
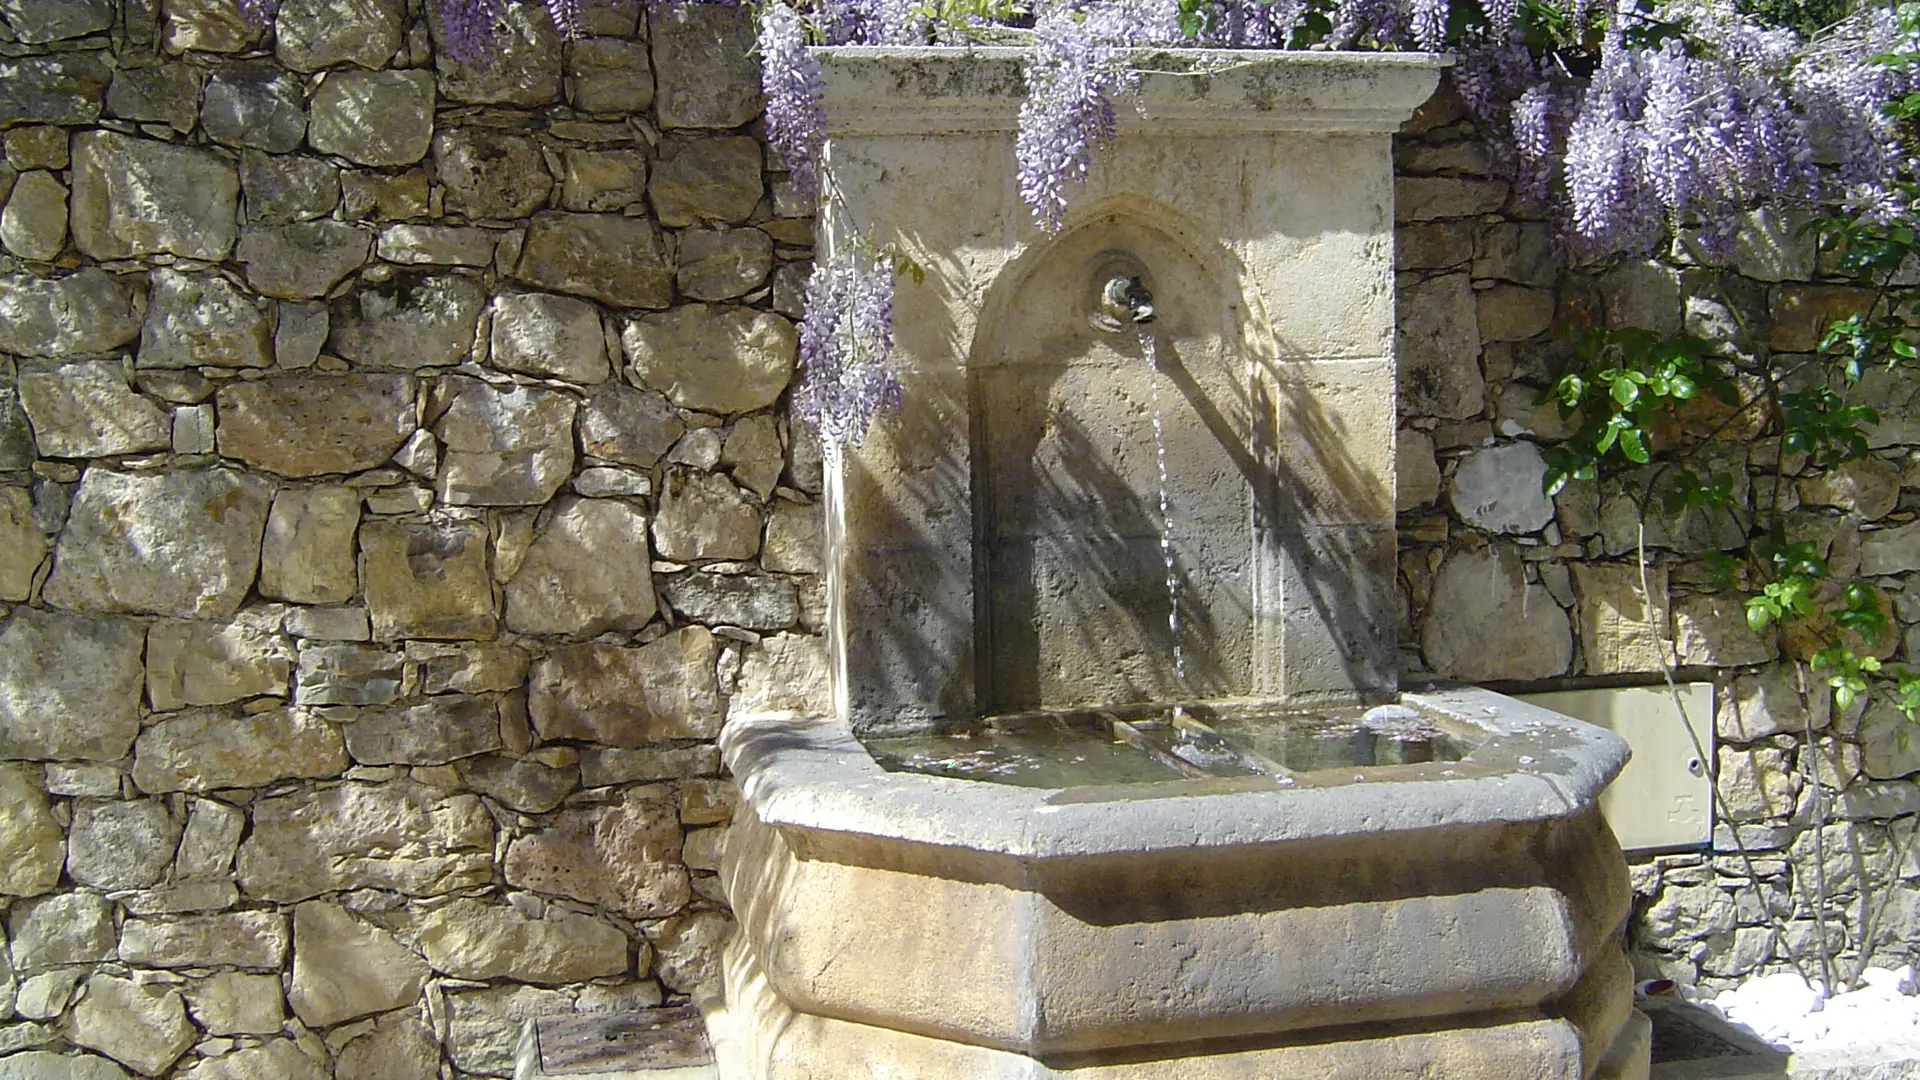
{"x": 1055, "y": 923}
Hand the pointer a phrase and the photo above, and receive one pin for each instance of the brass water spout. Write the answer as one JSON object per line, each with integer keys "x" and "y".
{"x": 1126, "y": 300}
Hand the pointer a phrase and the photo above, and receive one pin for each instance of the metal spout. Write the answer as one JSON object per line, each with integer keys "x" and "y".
{"x": 1126, "y": 300}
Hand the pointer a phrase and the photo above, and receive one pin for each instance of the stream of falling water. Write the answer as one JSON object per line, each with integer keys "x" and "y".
{"x": 1166, "y": 517}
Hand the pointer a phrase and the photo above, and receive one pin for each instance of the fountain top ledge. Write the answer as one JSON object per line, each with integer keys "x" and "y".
{"x": 902, "y": 90}
{"x": 811, "y": 773}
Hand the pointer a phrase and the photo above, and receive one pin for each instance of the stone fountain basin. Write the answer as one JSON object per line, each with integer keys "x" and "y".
{"x": 1048, "y": 922}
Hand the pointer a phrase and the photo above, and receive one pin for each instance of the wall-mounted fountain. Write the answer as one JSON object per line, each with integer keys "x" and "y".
{"x": 1117, "y": 781}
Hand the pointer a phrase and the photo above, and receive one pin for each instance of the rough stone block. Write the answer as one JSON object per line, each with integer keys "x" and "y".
{"x": 89, "y": 410}
{"x": 213, "y": 749}
{"x": 400, "y": 836}
{"x": 413, "y": 320}
{"x": 504, "y": 446}
{"x": 427, "y": 579}
{"x": 183, "y": 543}
{"x": 308, "y": 426}
{"x": 307, "y": 555}
{"x": 627, "y": 697}
{"x": 625, "y": 856}
{"x": 202, "y": 321}
{"x": 69, "y": 686}
{"x": 703, "y": 66}
{"x": 614, "y": 259}
{"x": 139, "y": 197}
{"x": 379, "y": 118}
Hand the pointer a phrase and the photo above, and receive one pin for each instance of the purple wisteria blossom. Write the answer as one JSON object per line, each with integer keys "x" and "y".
{"x": 846, "y": 346}
{"x": 790, "y": 75}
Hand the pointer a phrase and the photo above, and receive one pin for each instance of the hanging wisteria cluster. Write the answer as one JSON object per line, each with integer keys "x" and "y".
{"x": 846, "y": 346}
{"x": 1621, "y": 119}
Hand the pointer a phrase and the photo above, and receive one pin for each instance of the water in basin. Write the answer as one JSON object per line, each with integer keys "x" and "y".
{"x": 1191, "y": 741}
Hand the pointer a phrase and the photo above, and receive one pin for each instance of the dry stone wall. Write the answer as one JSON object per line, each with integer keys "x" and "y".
{"x": 396, "y": 496}
{"x": 393, "y": 500}
{"x": 1500, "y": 584}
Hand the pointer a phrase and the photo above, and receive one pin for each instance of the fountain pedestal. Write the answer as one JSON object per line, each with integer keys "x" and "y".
{"x": 996, "y": 548}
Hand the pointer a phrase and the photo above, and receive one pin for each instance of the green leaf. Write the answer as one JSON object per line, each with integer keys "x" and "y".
{"x": 1625, "y": 392}
{"x": 1632, "y": 445}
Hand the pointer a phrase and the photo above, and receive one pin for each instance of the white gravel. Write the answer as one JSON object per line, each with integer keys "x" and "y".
{"x": 1875, "y": 1022}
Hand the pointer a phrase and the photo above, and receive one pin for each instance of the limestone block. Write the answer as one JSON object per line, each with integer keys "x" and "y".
{"x": 343, "y": 967}
{"x": 703, "y": 67}
{"x": 379, "y": 118}
{"x": 1712, "y": 629}
{"x": 615, "y": 259}
{"x": 523, "y": 68}
{"x": 143, "y": 1027}
{"x": 164, "y": 94}
{"x": 1416, "y": 472}
{"x": 312, "y": 34}
{"x": 211, "y": 749}
{"x": 600, "y": 180}
{"x": 1485, "y": 621}
{"x": 1756, "y": 784}
{"x": 1769, "y": 245}
{"x": 330, "y": 623}
{"x": 120, "y": 844}
{"x": 1869, "y": 487}
{"x": 439, "y": 245}
{"x": 139, "y": 197}
{"x": 1521, "y": 252}
{"x": 88, "y": 410}
{"x": 66, "y": 928}
{"x": 242, "y": 939}
{"x": 397, "y": 835}
{"x": 754, "y": 454}
{"x": 625, "y": 856}
{"x": 711, "y": 179}
{"x": 46, "y": 1065}
{"x": 255, "y": 105}
{"x": 687, "y": 949}
{"x": 307, "y": 555}
{"x": 1646, "y": 294}
{"x": 1769, "y": 703}
{"x": 504, "y": 447}
{"x": 375, "y": 196}
{"x": 469, "y": 668}
{"x": 416, "y": 319}
{"x": 601, "y": 766}
{"x": 749, "y": 601}
{"x": 471, "y": 939}
{"x": 795, "y": 542}
{"x": 427, "y": 579}
{"x": 1425, "y": 198}
{"x": 523, "y": 784}
{"x": 609, "y": 75}
{"x": 183, "y": 542}
{"x": 207, "y": 844}
{"x": 1620, "y": 630}
{"x": 586, "y": 572}
{"x": 202, "y": 320}
{"x": 238, "y": 1003}
{"x": 554, "y": 336}
{"x": 620, "y": 696}
{"x": 207, "y": 26}
{"x": 634, "y": 427}
{"x": 483, "y": 1024}
{"x": 782, "y": 673}
{"x": 1437, "y": 343}
{"x": 34, "y": 225}
{"x": 398, "y": 1047}
{"x": 704, "y": 516}
{"x": 310, "y": 426}
{"x": 38, "y": 23}
{"x": 193, "y": 663}
{"x": 1498, "y": 488}
{"x": 303, "y": 259}
{"x": 716, "y": 265}
{"x": 90, "y": 311}
{"x": 1801, "y": 313}
{"x": 22, "y": 546}
{"x": 1890, "y": 551}
{"x": 433, "y": 732}
{"x": 489, "y": 173}
{"x": 46, "y": 995}
{"x": 32, "y": 844}
{"x": 69, "y": 686}
{"x": 1889, "y": 744}
{"x": 61, "y": 89}
{"x": 348, "y": 675}
{"x": 275, "y": 1059}
{"x": 715, "y": 359}
{"x": 1513, "y": 313}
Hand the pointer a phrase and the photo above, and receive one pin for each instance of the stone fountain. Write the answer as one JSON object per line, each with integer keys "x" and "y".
{"x": 1436, "y": 897}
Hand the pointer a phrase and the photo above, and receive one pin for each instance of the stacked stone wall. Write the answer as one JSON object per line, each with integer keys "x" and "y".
{"x": 393, "y": 498}
{"x": 396, "y": 494}
{"x": 1500, "y": 584}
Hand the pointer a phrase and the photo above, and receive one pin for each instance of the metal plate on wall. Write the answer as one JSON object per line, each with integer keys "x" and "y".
{"x": 1662, "y": 799}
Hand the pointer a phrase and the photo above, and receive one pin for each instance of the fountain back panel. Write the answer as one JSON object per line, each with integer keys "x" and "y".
{"x": 1057, "y": 853}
